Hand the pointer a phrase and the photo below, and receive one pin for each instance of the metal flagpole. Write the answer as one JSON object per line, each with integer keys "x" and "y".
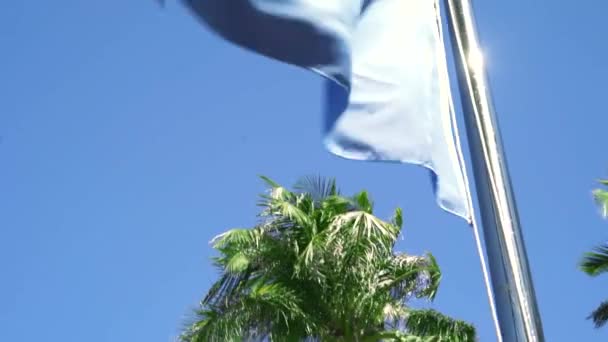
{"x": 518, "y": 313}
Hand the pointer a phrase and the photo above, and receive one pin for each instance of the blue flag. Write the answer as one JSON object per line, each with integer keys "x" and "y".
{"x": 388, "y": 95}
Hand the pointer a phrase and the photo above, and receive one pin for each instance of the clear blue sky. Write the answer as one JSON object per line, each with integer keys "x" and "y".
{"x": 130, "y": 136}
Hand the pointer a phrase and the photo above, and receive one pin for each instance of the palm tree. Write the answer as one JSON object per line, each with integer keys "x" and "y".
{"x": 320, "y": 267}
{"x": 595, "y": 262}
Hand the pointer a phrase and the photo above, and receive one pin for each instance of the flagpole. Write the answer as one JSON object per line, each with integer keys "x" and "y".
{"x": 518, "y": 313}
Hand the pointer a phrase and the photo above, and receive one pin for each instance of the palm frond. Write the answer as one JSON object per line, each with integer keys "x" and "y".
{"x": 319, "y": 188}
{"x": 364, "y": 202}
{"x": 270, "y": 182}
{"x": 363, "y": 227}
{"x": 265, "y": 309}
{"x": 601, "y": 199}
{"x": 596, "y": 262}
{"x": 275, "y": 193}
{"x": 291, "y": 211}
{"x": 412, "y": 276}
{"x": 600, "y": 315}
{"x": 433, "y": 323}
{"x": 398, "y": 218}
{"x": 238, "y": 263}
{"x": 394, "y": 311}
{"x": 399, "y": 336}
{"x": 433, "y": 277}
{"x": 211, "y": 325}
{"x": 234, "y": 236}
{"x": 333, "y": 206}
{"x": 310, "y": 260}
{"x": 222, "y": 289}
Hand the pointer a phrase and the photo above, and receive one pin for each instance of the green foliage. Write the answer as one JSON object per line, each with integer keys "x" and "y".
{"x": 600, "y": 315}
{"x": 430, "y": 322}
{"x": 601, "y": 198}
{"x": 595, "y": 262}
{"x": 320, "y": 266}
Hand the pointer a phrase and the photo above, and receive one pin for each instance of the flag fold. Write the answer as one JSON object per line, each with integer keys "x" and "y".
{"x": 387, "y": 92}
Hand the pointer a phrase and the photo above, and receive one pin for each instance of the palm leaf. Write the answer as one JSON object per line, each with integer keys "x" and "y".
{"x": 317, "y": 187}
{"x": 600, "y": 315}
{"x": 291, "y": 211}
{"x": 234, "y": 236}
{"x": 398, "y": 218}
{"x": 596, "y": 262}
{"x": 238, "y": 263}
{"x": 433, "y": 323}
{"x": 601, "y": 199}
{"x": 413, "y": 275}
{"x": 265, "y": 309}
{"x": 399, "y": 336}
{"x": 364, "y": 202}
{"x": 270, "y": 182}
{"x": 364, "y": 227}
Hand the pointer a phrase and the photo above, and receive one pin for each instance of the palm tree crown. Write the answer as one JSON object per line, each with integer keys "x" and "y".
{"x": 320, "y": 267}
{"x": 595, "y": 262}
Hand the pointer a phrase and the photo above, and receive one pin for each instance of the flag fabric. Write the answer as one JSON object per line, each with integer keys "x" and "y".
{"x": 387, "y": 92}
